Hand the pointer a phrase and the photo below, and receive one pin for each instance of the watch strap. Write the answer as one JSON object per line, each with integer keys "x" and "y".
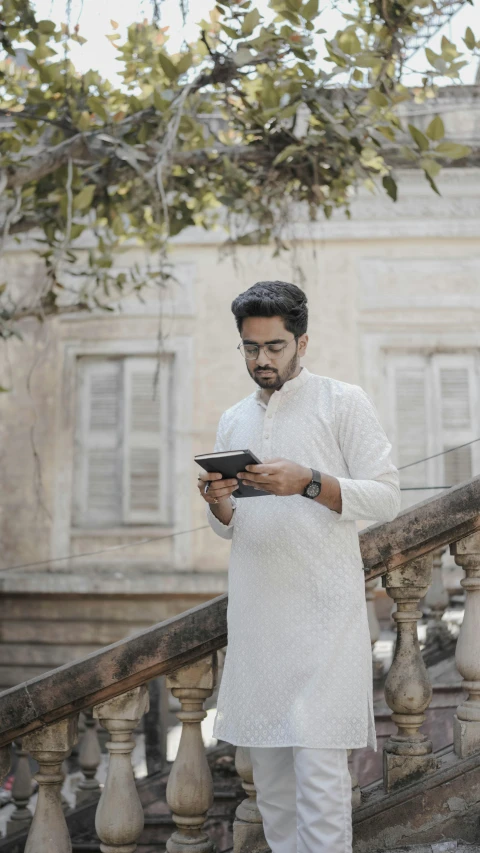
{"x": 316, "y": 478}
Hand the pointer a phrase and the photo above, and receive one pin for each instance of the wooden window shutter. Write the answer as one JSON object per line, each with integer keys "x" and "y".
{"x": 456, "y": 392}
{"x": 97, "y": 501}
{"x": 409, "y": 387}
{"x": 146, "y": 458}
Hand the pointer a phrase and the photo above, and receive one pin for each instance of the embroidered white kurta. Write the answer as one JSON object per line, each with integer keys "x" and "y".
{"x": 298, "y": 666}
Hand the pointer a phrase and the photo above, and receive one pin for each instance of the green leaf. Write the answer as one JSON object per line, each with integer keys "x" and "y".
{"x": 84, "y": 122}
{"x": 436, "y": 129}
{"x": 432, "y": 184}
{"x": 287, "y": 152}
{"x": 84, "y": 197}
{"x": 431, "y": 167}
{"x": 184, "y": 63}
{"x": 449, "y": 51}
{"x": 160, "y": 103}
{"x": 230, "y": 32}
{"x": 377, "y": 98}
{"x": 250, "y": 21}
{"x": 46, "y": 27}
{"x": 167, "y": 66}
{"x": 76, "y": 230}
{"x": 435, "y": 60}
{"x": 242, "y": 56}
{"x": 469, "y": 39}
{"x": 349, "y": 42}
{"x": 407, "y": 153}
{"x": 453, "y": 150}
{"x": 418, "y": 137}
{"x": 310, "y": 10}
{"x": 391, "y": 186}
{"x": 387, "y": 131}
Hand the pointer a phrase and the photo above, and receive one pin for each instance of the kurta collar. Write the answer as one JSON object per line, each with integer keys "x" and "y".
{"x": 286, "y": 389}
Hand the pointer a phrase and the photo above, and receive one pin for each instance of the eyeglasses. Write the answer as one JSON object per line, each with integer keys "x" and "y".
{"x": 251, "y": 351}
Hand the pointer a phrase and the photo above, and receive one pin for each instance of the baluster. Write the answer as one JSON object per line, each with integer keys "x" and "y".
{"x": 21, "y": 791}
{"x": 248, "y": 831}
{"x": 373, "y": 625}
{"x": 408, "y": 691}
{"x": 356, "y": 793}
{"x": 438, "y": 636}
{"x": 50, "y": 746}
{"x": 5, "y": 761}
{"x": 119, "y": 818}
{"x": 89, "y": 757}
{"x": 190, "y": 784}
{"x": 466, "y": 724}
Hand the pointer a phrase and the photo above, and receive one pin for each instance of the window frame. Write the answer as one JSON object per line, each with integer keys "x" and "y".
{"x": 435, "y": 439}
{"x": 64, "y": 534}
{"x": 121, "y": 439}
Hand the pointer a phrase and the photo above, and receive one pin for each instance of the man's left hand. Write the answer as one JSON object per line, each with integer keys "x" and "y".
{"x": 279, "y": 476}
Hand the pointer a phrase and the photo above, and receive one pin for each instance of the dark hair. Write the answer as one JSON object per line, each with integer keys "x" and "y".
{"x": 273, "y": 299}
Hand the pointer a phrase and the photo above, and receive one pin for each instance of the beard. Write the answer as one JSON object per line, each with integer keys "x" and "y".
{"x": 279, "y": 377}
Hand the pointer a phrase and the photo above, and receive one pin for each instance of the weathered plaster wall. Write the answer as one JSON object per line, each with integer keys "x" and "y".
{"x": 405, "y": 273}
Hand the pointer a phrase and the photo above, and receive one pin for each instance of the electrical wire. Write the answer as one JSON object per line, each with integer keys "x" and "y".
{"x": 133, "y": 544}
{"x": 145, "y": 541}
{"x": 442, "y": 453}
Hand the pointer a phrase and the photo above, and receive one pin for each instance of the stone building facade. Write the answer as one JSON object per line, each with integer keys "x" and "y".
{"x": 95, "y": 464}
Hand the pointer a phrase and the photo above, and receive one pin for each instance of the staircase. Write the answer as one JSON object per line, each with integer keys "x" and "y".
{"x": 426, "y": 800}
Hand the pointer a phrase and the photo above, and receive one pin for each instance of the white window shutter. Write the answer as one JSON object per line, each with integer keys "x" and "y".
{"x": 455, "y": 381}
{"x": 97, "y": 501}
{"x": 407, "y": 380}
{"x": 146, "y": 458}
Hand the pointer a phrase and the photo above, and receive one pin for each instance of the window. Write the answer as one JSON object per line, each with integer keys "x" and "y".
{"x": 122, "y": 454}
{"x": 434, "y": 406}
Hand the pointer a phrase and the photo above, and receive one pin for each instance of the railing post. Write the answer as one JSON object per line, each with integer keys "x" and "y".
{"x": 373, "y": 625}
{"x": 248, "y": 834}
{"x": 190, "y": 784}
{"x": 5, "y": 762}
{"x": 438, "y": 636}
{"x": 408, "y": 692}
{"x": 89, "y": 757}
{"x": 21, "y": 791}
{"x": 50, "y": 746}
{"x": 466, "y": 724}
{"x": 119, "y": 817}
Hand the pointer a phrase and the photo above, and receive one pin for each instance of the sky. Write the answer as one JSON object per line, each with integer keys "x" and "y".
{"x": 93, "y": 17}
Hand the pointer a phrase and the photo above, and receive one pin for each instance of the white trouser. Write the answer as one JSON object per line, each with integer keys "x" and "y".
{"x": 305, "y": 798}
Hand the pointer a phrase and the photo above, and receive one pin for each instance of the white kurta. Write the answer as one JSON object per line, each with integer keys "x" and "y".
{"x": 298, "y": 667}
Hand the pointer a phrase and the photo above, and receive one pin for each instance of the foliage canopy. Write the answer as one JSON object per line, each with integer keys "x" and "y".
{"x": 258, "y": 113}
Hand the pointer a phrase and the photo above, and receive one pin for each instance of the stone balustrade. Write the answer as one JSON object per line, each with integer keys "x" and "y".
{"x": 408, "y": 752}
{"x": 190, "y": 784}
{"x": 89, "y": 757}
{"x": 21, "y": 791}
{"x": 467, "y": 655}
{"x": 408, "y": 691}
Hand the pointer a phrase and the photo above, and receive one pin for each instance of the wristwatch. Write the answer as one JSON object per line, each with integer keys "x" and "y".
{"x": 315, "y": 485}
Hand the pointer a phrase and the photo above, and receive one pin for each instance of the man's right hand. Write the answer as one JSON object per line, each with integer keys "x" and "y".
{"x": 219, "y": 490}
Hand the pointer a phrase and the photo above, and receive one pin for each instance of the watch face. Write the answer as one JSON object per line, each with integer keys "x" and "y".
{"x": 313, "y": 490}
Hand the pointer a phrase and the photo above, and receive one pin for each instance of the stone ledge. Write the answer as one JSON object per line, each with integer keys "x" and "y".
{"x": 120, "y": 580}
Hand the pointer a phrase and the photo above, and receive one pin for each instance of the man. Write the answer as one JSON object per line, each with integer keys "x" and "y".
{"x": 297, "y": 680}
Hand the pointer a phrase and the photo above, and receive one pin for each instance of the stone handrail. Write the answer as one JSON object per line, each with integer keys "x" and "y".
{"x": 41, "y": 715}
{"x": 190, "y": 636}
